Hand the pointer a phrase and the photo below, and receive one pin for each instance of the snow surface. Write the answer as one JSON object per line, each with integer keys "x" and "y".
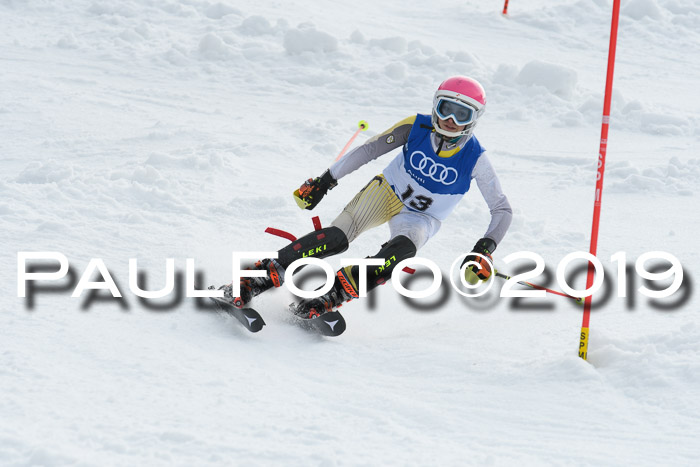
{"x": 160, "y": 129}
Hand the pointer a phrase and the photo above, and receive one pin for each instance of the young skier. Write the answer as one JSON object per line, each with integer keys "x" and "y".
{"x": 414, "y": 194}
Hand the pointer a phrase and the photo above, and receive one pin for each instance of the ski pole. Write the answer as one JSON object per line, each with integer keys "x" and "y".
{"x": 578, "y": 300}
{"x": 362, "y": 126}
{"x": 505, "y": 8}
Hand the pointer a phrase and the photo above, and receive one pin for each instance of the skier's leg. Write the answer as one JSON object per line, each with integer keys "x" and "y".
{"x": 318, "y": 244}
{"x": 409, "y": 231}
{"x": 374, "y": 205}
{"x": 416, "y": 226}
{"x": 392, "y": 252}
{"x": 346, "y": 285}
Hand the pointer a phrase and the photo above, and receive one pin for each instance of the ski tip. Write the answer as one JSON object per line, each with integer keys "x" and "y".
{"x": 255, "y": 322}
{"x": 333, "y": 324}
{"x": 248, "y": 317}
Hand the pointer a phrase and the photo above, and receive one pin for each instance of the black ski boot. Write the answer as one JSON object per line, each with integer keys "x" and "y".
{"x": 254, "y": 286}
{"x": 313, "y": 307}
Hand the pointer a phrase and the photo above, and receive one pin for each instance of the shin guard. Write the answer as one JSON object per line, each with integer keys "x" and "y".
{"x": 317, "y": 244}
{"x": 393, "y": 252}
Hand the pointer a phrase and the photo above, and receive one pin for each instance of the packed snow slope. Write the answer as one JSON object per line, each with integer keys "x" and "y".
{"x": 157, "y": 129}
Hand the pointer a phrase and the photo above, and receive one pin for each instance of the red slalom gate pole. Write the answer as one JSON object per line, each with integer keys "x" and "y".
{"x": 505, "y": 8}
{"x": 583, "y": 345}
{"x": 362, "y": 126}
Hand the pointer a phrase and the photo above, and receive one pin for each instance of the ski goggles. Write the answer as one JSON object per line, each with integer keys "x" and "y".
{"x": 461, "y": 113}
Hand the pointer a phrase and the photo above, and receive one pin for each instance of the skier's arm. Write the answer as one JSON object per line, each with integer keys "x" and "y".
{"x": 394, "y": 137}
{"x": 490, "y": 187}
{"x": 313, "y": 190}
{"x": 501, "y": 216}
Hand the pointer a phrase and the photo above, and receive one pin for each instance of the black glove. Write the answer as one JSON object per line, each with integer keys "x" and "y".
{"x": 482, "y": 272}
{"x": 312, "y": 191}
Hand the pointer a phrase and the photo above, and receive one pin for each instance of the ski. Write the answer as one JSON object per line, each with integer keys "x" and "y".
{"x": 248, "y": 317}
{"x": 331, "y": 324}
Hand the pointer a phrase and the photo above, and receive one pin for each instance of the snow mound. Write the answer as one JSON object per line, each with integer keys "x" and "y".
{"x": 212, "y": 47}
{"x": 660, "y": 124}
{"x": 219, "y": 10}
{"x": 256, "y": 26}
{"x": 676, "y": 177}
{"x": 357, "y": 37}
{"x": 306, "y": 38}
{"x": 45, "y": 172}
{"x": 68, "y": 41}
{"x": 557, "y": 79}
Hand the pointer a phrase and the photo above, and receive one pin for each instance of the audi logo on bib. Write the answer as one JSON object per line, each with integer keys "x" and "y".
{"x": 432, "y": 169}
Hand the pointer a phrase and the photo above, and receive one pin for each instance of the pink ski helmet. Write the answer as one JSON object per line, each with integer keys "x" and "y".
{"x": 462, "y": 99}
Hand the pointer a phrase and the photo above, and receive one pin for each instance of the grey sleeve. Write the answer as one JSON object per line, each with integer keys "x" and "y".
{"x": 376, "y": 146}
{"x": 490, "y": 187}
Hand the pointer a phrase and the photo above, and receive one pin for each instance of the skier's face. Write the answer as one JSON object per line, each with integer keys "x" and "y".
{"x": 450, "y": 125}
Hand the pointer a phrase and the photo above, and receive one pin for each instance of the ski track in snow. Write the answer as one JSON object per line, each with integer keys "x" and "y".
{"x": 154, "y": 130}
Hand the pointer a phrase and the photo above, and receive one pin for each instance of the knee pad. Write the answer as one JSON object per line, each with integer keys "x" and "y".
{"x": 393, "y": 252}
{"x": 317, "y": 244}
